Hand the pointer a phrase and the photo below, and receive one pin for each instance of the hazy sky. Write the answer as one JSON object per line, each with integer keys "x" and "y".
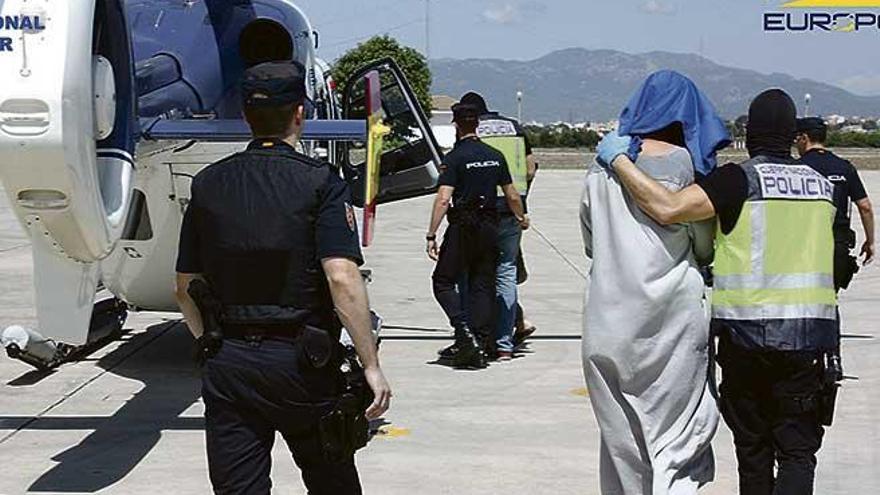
{"x": 729, "y": 32}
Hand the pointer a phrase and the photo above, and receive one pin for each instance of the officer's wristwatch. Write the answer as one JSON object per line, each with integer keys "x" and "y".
{"x": 431, "y": 237}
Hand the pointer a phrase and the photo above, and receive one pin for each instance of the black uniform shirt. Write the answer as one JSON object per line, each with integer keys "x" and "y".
{"x": 728, "y": 190}
{"x": 848, "y": 186}
{"x": 260, "y": 222}
{"x": 475, "y": 170}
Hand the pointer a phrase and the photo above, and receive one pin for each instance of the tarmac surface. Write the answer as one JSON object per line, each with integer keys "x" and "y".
{"x": 127, "y": 419}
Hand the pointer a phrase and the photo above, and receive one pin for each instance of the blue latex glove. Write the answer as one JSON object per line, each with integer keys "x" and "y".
{"x": 612, "y": 146}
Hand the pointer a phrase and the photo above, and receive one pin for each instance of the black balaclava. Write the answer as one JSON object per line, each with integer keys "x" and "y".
{"x": 772, "y": 125}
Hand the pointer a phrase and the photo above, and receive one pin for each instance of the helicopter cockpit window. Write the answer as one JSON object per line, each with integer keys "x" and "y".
{"x": 409, "y": 154}
{"x": 395, "y": 112}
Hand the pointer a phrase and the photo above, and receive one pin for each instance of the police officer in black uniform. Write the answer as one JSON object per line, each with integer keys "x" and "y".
{"x": 472, "y": 172}
{"x": 272, "y": 233}
{"x": 511, "y": 328}
{"x": 812, "y": 134}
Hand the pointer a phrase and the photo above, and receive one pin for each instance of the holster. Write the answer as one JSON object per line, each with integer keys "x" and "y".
{"x": 211, "y": 310}
{"x": 831, "y": 379}
{"x": 317, "y": 346}
{"x": 827, "y": 404}
{"x": 345, "y": 430}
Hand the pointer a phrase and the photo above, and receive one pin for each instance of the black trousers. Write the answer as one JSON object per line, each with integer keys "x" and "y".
{"x": 769, "y": 399}
{"x": 469, "y": 249}
{"x": 251, "y": 391}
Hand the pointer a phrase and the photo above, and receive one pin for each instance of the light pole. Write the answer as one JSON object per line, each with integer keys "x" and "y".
{"x": 808, "y": 98}
{"x": 519, "y": 106}
{"x": 428, "y": 30}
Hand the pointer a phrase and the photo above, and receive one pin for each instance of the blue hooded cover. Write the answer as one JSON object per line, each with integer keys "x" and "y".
{"x": 667, "y": 97}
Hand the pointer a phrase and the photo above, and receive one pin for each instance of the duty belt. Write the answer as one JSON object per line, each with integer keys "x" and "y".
{"x": 262, "y": 332}
{"x": 472, "y": 215}
{"x": 266, "y": 315}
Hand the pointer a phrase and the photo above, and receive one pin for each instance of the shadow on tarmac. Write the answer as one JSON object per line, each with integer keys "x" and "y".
{"x": 522, "y": 351}
{"x": 32, "y": 377}
{"x": 120, "y": 442}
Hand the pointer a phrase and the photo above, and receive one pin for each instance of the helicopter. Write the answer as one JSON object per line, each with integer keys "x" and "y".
{"x": 110, "y": 107}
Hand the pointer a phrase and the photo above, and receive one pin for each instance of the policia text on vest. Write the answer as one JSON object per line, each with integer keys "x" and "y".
{"x": 502, "y": 135}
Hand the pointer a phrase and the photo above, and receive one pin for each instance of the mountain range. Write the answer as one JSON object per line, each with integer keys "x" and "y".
{"x": 579, "y": 85}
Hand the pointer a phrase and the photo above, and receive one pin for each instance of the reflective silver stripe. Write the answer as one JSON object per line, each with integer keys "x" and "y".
{"x": 780, "y": 281}
{"x": 759, "y": 238}
{"x": 776, "y": 312}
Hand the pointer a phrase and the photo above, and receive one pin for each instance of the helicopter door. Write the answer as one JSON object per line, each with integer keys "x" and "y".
{"x": 67, "y": 134}
{"x": 68, "y": 121}
{"x": 410, "y": 161}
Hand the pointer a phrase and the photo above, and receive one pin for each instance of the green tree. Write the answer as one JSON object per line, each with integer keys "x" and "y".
{"x": 561, "y": 136}
{"x": 413, "y": 64}
{"x": 838, "y": 139}
{"x": 739, "y": 126}
{"x": 589, "y": 138}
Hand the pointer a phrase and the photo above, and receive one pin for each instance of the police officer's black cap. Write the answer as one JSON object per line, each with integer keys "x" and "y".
{"x": 811, "y": 124}
{"x": 274, "y": 84}
{"x": 477, "y": 100}
{"x": 462, "y": 112}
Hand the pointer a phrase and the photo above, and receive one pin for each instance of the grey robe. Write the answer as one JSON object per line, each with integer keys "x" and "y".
{"x": 646, "y": 335}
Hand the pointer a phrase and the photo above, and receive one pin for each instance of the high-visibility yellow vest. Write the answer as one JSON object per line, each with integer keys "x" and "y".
{"x": 501, "y": 134}
{"x": 774, "y": 273}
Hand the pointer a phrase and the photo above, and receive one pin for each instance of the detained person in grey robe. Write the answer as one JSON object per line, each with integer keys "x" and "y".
{"x": 646, "y": 322}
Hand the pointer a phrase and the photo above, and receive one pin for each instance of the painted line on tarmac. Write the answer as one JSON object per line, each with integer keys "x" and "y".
{"x": 85, "y": 384}
{"x": 416, "y": 329}
{"x": 560, "y": 253}
{"x": 391, "y": 432}
{"x": 13, "y": 248}
{"x": 580, "y": 392}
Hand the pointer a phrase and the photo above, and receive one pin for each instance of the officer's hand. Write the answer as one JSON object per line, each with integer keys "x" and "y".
{"x": 381, "y": 391}
{"x": 433, "y": 250}
{"x": 612, "y": 146}
{"x": 868, "y": 253}
{"x": 525, "y": 223}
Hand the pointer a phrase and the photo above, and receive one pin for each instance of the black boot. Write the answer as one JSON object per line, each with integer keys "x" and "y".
{"x": 448, "y": 352}
{"x": 487, "y": 345}
{"x": 468, "y": 354}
